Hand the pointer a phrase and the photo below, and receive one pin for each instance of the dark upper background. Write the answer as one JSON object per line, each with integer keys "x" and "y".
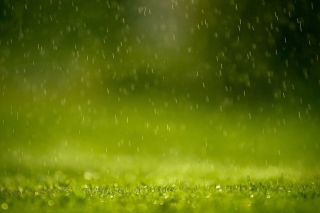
{"x": 66, "y": 64}
{"x": 268, "y": 49}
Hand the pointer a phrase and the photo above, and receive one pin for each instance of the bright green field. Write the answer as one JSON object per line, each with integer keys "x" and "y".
{"x": 173, "y": 160}
{"x": 78, "y": 181}
{"x": 272, "y": 195}
{"x": 145, "y": 184}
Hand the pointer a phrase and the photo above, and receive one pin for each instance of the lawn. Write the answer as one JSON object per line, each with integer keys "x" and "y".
{"x": 135, "y": 184}
{"x": 181, "y": 161}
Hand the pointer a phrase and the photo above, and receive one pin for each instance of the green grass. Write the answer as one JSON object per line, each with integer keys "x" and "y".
{"x": 246, "y": 197}
{"x": 148, "y": 184}
{"x": 129, "y": 157}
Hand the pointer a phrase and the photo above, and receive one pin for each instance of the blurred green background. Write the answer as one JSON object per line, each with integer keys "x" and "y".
{"x": 234, "y": 82}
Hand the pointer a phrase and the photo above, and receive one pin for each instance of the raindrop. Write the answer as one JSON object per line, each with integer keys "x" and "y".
{"x": 50, "y": 202}
{"x": 4, "y": 206}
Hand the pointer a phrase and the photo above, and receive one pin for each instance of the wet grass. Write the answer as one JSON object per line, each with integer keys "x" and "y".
{"x": 157, "y": 157}
{"x": 147, "y": 184}
{"x": 247, "y": 196}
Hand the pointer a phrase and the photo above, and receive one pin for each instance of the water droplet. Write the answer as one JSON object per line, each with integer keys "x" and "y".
{"x": 4, "y": 206}
{"x": 50, "y": 202}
